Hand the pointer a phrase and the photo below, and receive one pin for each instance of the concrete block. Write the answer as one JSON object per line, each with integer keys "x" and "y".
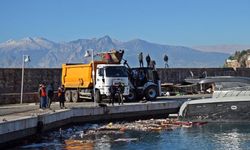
{"x": 16, "y": 125}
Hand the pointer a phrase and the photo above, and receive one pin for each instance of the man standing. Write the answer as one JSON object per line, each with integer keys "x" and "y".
{"x": 50, "y": 94}
{"x": 166, "y": 60}
{"x": 112, "y": 90}
{"x": 43, "y": 96}
{"x": 61, "y": 96}
{"x": 140, "y": 57}
{"x": 148, "y": 59}
{"x": 120, "y": 92}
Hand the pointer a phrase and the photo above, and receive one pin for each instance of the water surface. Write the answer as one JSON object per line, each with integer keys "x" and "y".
{"x": 206, "y": 137}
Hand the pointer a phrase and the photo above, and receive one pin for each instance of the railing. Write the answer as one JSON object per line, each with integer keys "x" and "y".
{"x": 232, "y": 92}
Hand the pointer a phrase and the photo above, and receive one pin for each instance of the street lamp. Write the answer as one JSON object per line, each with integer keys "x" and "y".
{"x": 26, "y": 59}
{"x": 87, "y": 54}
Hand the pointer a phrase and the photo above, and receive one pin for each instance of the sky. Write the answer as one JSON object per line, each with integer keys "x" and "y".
{"x": 173, "y": 22}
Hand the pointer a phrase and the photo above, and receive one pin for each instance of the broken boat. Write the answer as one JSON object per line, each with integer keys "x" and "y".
{"x": 230, "y": 101}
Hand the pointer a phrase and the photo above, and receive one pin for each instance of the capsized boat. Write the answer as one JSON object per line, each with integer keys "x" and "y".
{"x": 230, "y": 101}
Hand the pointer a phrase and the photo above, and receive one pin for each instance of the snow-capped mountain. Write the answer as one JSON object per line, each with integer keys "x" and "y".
{"x": 46, "y": 53}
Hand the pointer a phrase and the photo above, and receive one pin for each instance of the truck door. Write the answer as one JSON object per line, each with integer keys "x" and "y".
{"x": 100, "y": 79}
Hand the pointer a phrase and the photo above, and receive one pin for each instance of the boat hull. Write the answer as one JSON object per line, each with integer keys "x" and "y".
{"x": 221, "y": 111}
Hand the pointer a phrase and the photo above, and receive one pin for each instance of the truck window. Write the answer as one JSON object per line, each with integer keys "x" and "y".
{"x": 101, "y": 72}
{"x": 116, "y": 71}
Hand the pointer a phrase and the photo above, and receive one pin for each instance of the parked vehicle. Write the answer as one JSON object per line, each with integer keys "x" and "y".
{"x": 80, "y": 83}
{"x": 143, "y": 82}
{"x": 138, "y": 82}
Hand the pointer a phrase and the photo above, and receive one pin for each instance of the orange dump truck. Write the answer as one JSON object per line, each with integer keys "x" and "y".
{"x": 81, "y": 81}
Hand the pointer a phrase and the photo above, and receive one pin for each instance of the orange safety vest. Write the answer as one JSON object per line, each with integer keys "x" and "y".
{"x": 43, "y": 92}
{"x": 59, "y": 92}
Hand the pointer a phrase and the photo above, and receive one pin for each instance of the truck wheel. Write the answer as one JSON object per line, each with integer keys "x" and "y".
{"x": 75, "y": 96}
{"x": 151, "y": 93}
{"x": 98, "y": 97}
{"x": 68, "y": 96}
{"x": 131, "y": 97}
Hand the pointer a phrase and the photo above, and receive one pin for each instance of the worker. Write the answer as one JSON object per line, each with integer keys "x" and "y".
{"x": 148, "y": 59}
{"x": 141, "y": 77}
{"x": 120, "y": 92}
{"x": 50, "y": 94}
{"x": 166, "y": 60}
{"x": 42, "y": 96}
{"x": 61, "y": 96}
{"x": 140, "y": 57}
{"x": 112, "y": 90}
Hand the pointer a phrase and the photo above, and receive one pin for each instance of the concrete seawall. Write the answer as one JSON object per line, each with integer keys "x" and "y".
{"x": 14, "y": 127}
{"x": 10, "y": 79}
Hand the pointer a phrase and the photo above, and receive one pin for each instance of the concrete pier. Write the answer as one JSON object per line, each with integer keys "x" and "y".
{"x": 17, "y": 124}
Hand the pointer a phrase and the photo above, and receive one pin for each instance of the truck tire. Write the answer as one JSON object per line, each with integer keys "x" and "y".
{"x": 151, "y": 93}
{"x": 98, "y": 96}
{"x": 74, "y": 96}
{"x": 68, "y": 96}
{"x": 131, "y": 97}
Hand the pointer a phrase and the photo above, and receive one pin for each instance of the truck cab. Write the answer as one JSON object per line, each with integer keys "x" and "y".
{"x": 108, "y": 75}
{"x": 80, "y": 83}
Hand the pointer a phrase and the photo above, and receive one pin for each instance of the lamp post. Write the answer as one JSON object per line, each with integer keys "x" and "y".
{"x": 26, "y": 59}
{"x": 87, "y": 54}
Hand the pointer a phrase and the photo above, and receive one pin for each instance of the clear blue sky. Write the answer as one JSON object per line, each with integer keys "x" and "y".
{"x": 175, "y": 22}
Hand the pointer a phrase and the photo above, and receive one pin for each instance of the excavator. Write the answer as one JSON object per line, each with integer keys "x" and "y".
{"x": 144, "y": 82}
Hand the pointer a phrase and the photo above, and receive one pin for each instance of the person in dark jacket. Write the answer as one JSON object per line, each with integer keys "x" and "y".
{"x": 120, "y": 92}
{"x": 148, "y": 59}
{"x": 112, "y": 90}
{"x": 61, "y": 96}
{"x": 166, "y": 60}
{"x": 140, "y": 57}
{"x": 50, "y": 94}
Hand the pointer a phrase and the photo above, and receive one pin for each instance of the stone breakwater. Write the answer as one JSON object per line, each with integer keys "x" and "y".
{"x": 10, "y": 79}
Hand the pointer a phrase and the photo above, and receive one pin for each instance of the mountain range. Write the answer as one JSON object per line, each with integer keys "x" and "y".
{"x": 45, "y": 53}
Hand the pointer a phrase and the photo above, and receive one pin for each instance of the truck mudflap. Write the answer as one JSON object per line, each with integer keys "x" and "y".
{"x": 97, "y": 96}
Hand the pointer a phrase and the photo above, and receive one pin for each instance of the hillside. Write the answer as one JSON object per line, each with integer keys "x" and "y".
{"x": 242, "y": 57}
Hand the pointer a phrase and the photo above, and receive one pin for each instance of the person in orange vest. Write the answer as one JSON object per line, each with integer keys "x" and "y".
{"x": 43, "y": 96}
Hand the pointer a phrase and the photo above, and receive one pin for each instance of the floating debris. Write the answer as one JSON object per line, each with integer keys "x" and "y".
{"x": 86, "y": 137}
{"x": 153, "y": 125}
{"x": 126, "y": 139}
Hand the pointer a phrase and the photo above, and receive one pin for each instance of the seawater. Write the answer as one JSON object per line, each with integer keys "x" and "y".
{"x": 211, "y": 136}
